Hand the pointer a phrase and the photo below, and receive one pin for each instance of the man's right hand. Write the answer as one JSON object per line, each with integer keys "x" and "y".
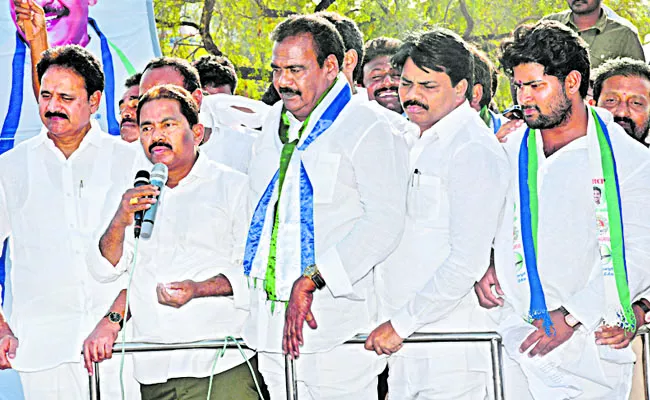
{"x": 507, "y": 128}
{"x": 483, "y": 289}
{"x": 30, "y": 18}
{"x": 98, "y": 346}
{"x": 8, "y": 346}
{"x": 135, "y": 199}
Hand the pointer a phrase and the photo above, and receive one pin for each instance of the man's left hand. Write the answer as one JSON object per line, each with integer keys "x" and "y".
{"x": 298, "y": 311}
{"x": 617, "y": 337}
{"x": 384, "y": 340}
{"x": 544, "y": 343}
{"x": 176, "y": 294}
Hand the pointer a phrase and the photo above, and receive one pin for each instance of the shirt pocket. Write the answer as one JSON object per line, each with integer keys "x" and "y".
{"x": 424, "y": 197}
{"x": 326, "y": 176}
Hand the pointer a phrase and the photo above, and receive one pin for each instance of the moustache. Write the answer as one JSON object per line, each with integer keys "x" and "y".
{"x": 59, "y": 12}
{"x": 626, "y": 120}
{"x": 159, "y": 143}
{"x": 287, "y": 90}
{"x": 52, "y": 114}
{"x": 385, "y": 89}
{"x": 127, "y": 119}
{"x": 408, "y": 103}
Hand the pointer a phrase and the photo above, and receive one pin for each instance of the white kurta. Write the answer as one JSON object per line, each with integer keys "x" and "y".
{"x": 456, "y": 194}
{"x": 199, "y": 233}
{"x": 230, "y": 146}
{"x": 50, "y": 208}
{"x": 569, "y": 262}
{"x": 359, "y": 176}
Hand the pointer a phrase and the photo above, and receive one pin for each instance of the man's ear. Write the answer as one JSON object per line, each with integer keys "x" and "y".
{"x": 461, "y": 88}
{"x": 94, "y": 100}
{"x": 198, "y": 131}
{"x": 350, "y": 61}
{"x": 572, "y": 82}
{"x": 197, "y": 95}
{"x": 331, "y": 65}
{"x": 477, "y": 94}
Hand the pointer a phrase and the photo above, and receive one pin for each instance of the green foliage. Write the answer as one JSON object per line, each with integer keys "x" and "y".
{"x": 241, "y": 28}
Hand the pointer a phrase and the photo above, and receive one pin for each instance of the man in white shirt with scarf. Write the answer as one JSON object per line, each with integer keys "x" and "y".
{"x": 569, "y": 262}
{"x": 51, "y": 190}
{"x": 329, "y": 197}
{"x": 449, "y": 227}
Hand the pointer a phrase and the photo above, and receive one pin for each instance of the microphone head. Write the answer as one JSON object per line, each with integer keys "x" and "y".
{"x": 159, "y": 173}
{"x": 141, "y": 178}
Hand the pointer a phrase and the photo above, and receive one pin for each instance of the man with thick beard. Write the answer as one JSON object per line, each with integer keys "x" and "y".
{"x": 566, "y": 284}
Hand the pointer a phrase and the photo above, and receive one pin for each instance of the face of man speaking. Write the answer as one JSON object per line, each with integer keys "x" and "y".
{"x": 67, "y": 20}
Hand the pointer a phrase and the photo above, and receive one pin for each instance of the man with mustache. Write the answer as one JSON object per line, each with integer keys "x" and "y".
{"x": 54, "y": 23}
{"x": 569, "y": 290}
{"x": 52, "y": 188}
{"x": 449, "y": 230}
{"x": 187, "y": 283}
{"x": 325, "y": 176}
{"x": 606, "y": 34}
{"x": 622, "y": 86}
{"x": 379, "y": 77}
{"x": 128, "y": 104}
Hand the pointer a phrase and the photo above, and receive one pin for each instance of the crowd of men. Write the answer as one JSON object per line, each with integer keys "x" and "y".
{"x": 376, "y": 189}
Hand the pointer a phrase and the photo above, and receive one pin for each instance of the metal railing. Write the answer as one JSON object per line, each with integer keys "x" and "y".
{"x": 290, "y": 372}
{"x": 644, "y": 332}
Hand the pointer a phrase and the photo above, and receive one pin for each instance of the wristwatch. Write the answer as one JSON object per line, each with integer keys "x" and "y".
{"x": 568, "y": 318}
{"x": 312, "y": 273}
{"x": 115, "y": 318}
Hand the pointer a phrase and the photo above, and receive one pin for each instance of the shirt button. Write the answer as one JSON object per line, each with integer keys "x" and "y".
{"x": 68, "y": 194}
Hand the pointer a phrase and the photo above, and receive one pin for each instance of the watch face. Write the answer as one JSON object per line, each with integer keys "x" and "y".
{"x": 309, "y": 270}
{"x": 114, "y": 317}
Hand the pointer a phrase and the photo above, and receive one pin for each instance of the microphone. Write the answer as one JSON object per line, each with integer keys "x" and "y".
{"x": 158, "y": 178}
{"x": 141, "y": 179}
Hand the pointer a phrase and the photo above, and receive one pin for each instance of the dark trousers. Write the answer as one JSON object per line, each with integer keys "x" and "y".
{"x": 234, "y": 384}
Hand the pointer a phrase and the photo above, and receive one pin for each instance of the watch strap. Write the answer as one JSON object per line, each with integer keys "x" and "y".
{"x": 313, "y": 273}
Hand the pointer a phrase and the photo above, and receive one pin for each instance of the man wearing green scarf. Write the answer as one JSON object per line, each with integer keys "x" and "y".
{"x": 328, "y": 185}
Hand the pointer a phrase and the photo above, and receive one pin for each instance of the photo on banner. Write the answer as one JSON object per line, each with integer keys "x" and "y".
{"x": 121, "y": 33}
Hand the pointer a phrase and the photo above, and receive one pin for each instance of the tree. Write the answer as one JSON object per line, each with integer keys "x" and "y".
{"x": 240, "y": 29}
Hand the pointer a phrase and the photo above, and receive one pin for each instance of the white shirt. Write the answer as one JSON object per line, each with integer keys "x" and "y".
{"x": 359, "y": 178}
{"x": 455, "y": 198}
{"x": 199, "y": 233}
{"x": 230, "y": 146}
{"x": 50, "y": 207}
{"x": 568, "y": 256}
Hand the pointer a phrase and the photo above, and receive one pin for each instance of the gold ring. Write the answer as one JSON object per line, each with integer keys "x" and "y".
{"x": 134, "y": 200}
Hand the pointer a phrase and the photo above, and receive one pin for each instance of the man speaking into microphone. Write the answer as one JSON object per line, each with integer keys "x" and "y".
{"x": 191, "y": 256}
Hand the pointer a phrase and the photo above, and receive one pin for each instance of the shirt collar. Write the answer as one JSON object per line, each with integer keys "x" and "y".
{"x": 200, "y": 170}
{"x": 93, "y": 137}
{"x": 446, "y": 128}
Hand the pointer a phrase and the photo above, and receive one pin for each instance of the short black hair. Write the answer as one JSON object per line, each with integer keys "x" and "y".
{"x": 133, "y": 80}
{"x": 379, "y": 47}
{"x": 77, "y": 59}
{"x": 327, "y": 40}
{"x": 625, "y": 66}
{"x": 598, "y": 189}
{"x": 191, "y": 78}
{"x": 216, "y": 71}
{"x": 549, "y": 43}
{"x": 495, "y": 79}
{"x": 483, "y": 75}
{"x": 351, "y": 34}
{"x": 439, "y": 50}
{"x": 189, "y": 108}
